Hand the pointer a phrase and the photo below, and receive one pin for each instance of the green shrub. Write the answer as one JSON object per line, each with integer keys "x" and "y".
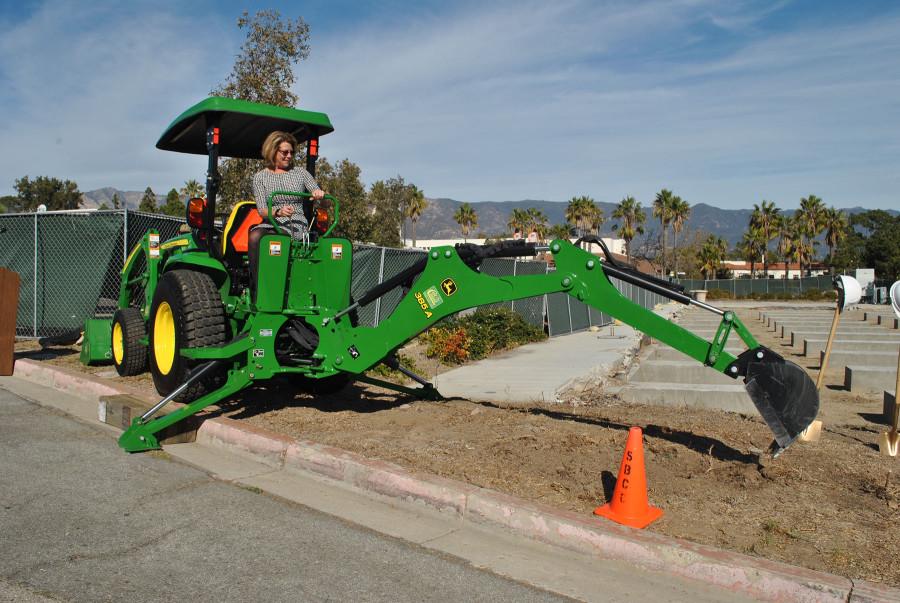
{"x": 719, "y": 294}
{"x": 478, "y": 335}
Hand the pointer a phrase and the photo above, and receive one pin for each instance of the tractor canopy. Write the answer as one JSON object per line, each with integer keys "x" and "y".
{"x": 243, "y": 126}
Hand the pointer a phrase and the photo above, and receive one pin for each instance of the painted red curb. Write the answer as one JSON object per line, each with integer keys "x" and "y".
{"x": 759, "y": 578}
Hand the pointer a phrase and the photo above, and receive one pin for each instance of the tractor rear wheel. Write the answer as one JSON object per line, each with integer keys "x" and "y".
{"x": 187, "y": 312}
{"x": 129, "y": 354}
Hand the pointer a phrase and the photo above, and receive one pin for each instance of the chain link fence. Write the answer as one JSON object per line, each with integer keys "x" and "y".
{"x": 556, "y": 313}
{"x": 744, "y": 287}
{"x": 70, "y": 262}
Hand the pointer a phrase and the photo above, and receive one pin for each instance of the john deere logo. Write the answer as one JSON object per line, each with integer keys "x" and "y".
{"x": 448, "y": 286}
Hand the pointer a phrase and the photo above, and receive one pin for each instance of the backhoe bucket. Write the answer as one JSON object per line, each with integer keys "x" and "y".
{"x": 785, "y": 396}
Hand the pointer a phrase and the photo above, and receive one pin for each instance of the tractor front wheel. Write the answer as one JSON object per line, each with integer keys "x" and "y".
{"x": 187, "y": 312}
{"x": 129, "y": 353}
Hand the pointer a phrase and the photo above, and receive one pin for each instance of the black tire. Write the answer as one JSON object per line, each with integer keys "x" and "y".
{"x": 129, "y": 354}
{"x": 187, "y": 312}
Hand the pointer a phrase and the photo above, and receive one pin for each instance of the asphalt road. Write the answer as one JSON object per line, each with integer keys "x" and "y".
{"x": 82, "y": 521}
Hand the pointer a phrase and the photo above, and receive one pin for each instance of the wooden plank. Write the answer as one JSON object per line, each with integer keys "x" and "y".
{"x": 9, "y": 308}
{"x": 120, "y": 409}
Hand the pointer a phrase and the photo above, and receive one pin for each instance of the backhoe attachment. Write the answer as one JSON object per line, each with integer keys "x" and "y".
{"x": 450, "y": 280}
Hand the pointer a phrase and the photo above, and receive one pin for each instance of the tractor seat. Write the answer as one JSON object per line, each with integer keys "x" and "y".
{"x": 243, "y": 217}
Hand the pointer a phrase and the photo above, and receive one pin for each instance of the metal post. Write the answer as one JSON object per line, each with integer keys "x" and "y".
{"x": 35, "y": 279}
{"x": 380, "y": 280}
{"x": 125, "y": 238}
{"x": 512, "y": 304}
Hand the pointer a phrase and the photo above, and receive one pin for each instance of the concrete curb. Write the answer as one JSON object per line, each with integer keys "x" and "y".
{"x": 758, "y": 578}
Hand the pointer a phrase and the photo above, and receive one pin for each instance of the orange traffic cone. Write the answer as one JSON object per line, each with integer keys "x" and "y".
{"x": 629, "y": 504}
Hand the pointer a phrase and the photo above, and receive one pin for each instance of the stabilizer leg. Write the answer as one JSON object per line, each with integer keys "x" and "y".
{"x": 141, "y": 435}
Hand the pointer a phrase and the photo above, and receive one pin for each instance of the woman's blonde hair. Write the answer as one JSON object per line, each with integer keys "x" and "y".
{"x": 271, "y": 144}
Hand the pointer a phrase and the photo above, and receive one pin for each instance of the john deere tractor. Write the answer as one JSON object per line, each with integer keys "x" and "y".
{"x": 209, "y": 326}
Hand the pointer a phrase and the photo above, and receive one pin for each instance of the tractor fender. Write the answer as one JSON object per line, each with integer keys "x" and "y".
{"x": 201, "y": 262}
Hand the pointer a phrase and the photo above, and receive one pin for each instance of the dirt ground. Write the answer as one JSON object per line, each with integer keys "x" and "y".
{"x": 827, "y": 506}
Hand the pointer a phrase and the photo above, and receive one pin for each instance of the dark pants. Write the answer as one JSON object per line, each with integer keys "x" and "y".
{"x": 253, "y": 240}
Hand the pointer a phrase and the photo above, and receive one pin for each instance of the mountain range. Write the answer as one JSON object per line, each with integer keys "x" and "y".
{"x": 437, "y": 222}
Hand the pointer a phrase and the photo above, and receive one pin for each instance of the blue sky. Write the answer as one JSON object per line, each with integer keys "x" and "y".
{"x": 725, "y": 103}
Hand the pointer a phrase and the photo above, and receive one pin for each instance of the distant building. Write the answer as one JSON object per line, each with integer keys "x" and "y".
{"x": 741, "y": 269}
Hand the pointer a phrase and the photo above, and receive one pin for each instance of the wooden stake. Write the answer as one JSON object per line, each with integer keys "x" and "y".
{"x": 834, "y": 325}
{"x": 812, "y": 433}
{"x": 889, "y": 440}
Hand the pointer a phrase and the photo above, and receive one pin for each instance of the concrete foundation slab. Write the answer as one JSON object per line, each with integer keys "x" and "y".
{"x": 664, "y": 352}
{"x": 890, "y": 399}
{"x": 861, "y": 379}
{"x": 678, "y": 371}
{"x": 796, "y": 337}
{"x": 891, "y": 322}
{"x": 812, "y": 347}
{"x": 844, "y": 357}
{"x": 733, "y": 398}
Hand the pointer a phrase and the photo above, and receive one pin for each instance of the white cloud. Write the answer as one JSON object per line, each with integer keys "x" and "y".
{"x": 531, "y": 101}
{"x": 86, "y": 92}
{"x": 487, "y": 101}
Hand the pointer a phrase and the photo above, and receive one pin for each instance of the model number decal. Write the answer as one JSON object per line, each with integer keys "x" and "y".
{"x": 259, "y": 353}
{"x": 423, "y": 304}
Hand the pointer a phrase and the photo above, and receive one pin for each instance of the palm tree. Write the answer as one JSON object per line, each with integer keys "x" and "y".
{"x": 765, "y": 218}
{"x": 578, "y": 211}
{"x": 836, "y": 225}
{"x": 788, "y": 241}
{"x": 632, "y": 217}
{"x": 681, "y": 211}
{"x": 559, "y": 231}
{"x": 467, "y": 219}
{"x": 537, "y": 222}
{"x": 414, "y": 208}
{"x": 711, "y": 255}
{"x": 595, "y": 218}
{"x": 518, "y": 220}
{"x": 809, "y": 218}
{"x": 192, "y": 189}
{"x": 752, "y": 246}
{"x": 662, "y": 209}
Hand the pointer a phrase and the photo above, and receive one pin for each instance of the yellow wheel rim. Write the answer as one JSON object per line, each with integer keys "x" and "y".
{"x": 117, "y": 344}
{"x": 164, "y": 338}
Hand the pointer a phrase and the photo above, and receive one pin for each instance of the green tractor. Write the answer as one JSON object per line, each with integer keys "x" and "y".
{"x": 208, "y": 325}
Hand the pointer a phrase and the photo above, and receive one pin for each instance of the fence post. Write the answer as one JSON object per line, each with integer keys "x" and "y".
{"x": 380, "y": 280}
{"x": 125, "y": 238}
{"x": 512, "y": 304}
{"x": 35, "y": 278}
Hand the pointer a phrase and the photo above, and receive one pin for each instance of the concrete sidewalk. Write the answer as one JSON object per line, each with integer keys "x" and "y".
{"x": 548, "y": 370}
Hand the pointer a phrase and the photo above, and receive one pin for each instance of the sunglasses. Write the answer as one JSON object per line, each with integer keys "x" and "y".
{"x": 281, "y": 152}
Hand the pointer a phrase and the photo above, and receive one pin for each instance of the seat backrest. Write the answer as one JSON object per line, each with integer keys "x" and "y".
{"x": 243, "y": 217}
